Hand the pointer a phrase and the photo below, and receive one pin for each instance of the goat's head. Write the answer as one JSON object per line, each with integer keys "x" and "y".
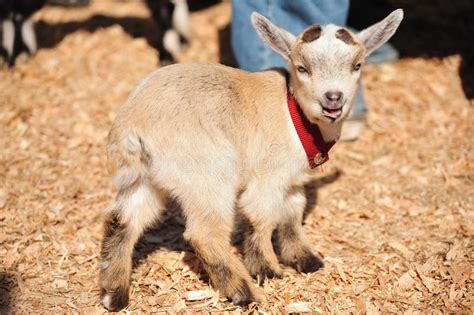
{"x": 325, "y": 62}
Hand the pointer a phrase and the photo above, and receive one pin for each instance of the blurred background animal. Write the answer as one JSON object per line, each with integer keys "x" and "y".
{"x": 19, "y": 37}
{"x": 172, "y": 17}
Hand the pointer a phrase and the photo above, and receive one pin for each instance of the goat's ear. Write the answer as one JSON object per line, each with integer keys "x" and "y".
{"x": 378, "y": 34}
{"x": 279, "y": 39}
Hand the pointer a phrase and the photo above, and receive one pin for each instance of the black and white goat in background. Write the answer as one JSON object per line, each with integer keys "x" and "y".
{"x": 18, "y": 28}
{"x": 19, "y": 38}
{"x": 172, "y": 17}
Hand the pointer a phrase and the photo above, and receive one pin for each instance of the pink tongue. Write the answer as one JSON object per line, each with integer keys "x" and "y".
{"x": 334, "y": 114}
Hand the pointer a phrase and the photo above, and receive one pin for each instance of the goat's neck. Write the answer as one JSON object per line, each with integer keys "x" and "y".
{"x": 330, "y": 132}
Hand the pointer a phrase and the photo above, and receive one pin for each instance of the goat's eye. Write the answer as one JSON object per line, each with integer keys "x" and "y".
{"x": 301, "y": 69}
{"x": 357, "y": 67}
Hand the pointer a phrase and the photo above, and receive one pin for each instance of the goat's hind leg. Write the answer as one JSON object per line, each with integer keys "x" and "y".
{"x": 136, "y": 208}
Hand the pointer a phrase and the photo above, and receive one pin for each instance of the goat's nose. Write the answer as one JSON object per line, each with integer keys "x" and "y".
{"x": 333, "y": 96}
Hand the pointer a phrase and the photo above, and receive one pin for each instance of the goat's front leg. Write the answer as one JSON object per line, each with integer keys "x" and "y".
{"x": 260, "y": 259}
{"x": 261, "y": 205}
{"x": 295, "y": 251}
{"x": 211, "y": 243}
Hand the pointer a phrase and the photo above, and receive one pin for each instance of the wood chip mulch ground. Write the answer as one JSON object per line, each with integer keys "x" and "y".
{"x": 393, "y": 215}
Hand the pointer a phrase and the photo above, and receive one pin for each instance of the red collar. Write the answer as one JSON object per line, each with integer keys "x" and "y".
{"x": 313, "y": 143}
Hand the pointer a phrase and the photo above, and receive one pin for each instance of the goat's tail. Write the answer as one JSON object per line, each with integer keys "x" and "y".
{"x": 127, "y": 158}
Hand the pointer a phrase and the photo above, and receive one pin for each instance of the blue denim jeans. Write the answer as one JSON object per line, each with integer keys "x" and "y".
{"x": 294, "y": 16}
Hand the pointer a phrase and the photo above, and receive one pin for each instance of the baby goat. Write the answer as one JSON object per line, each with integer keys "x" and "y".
{"x": 224, "y": 143}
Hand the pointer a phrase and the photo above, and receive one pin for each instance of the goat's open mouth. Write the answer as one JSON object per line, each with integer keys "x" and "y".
{"x": 332, "y": 113}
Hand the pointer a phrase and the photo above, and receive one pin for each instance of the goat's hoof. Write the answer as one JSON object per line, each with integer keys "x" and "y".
{"x": 308, "y": 263}
{"x": 267, "y": 273}
{"x": 246, "y": 293}
{"x": 260, "y": 269}
{"x": 115, "y": 300}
